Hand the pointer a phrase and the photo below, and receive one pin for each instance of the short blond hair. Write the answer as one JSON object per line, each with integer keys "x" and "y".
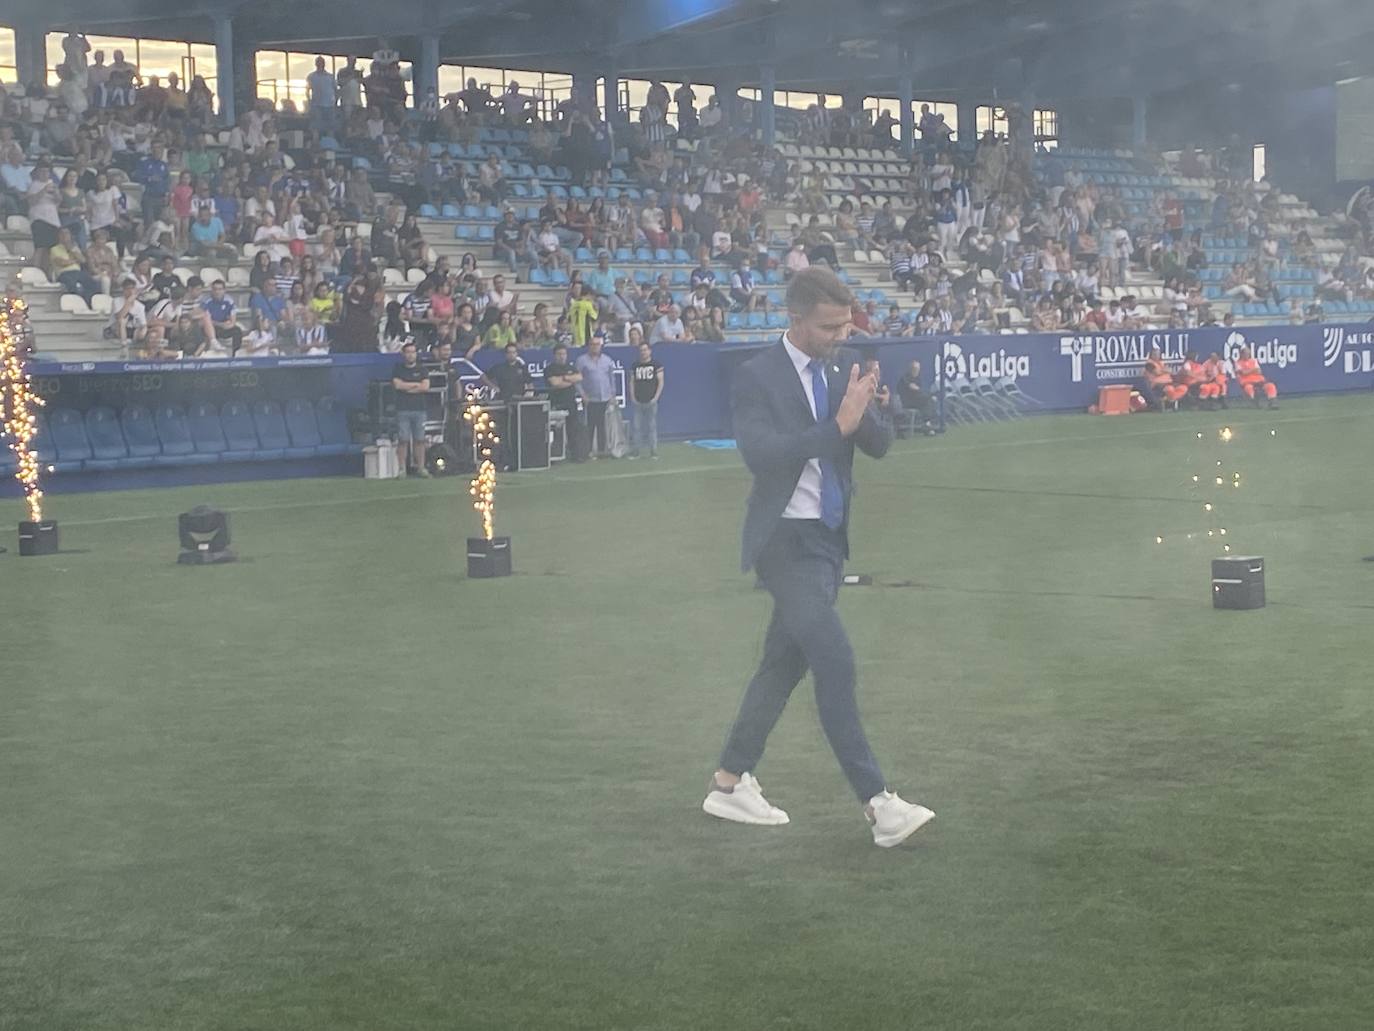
{"x": 813, "y": 286}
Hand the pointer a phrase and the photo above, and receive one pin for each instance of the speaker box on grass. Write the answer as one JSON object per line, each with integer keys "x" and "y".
{"x": 38, "y": 538}
{"x": 488, "y": 558}
{"x": 1238, "y": 583}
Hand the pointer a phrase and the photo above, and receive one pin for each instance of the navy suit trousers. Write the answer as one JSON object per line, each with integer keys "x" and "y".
{"x": 801, "y": 566}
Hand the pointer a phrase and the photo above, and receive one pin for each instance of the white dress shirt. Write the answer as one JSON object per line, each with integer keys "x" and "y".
{"x": 806, "y": 498}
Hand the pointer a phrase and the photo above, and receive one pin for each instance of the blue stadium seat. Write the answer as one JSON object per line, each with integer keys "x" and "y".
{"x": 178, "y": 447}
{"x": 462, "y": 232}
{"x": 544, "y": 172}
{"x": 643, "y": 254}
{"x": 71, "y": 448}
{"x": 624, "y": 254}
{"x": 472, "y": 211}
{"x": 680, "y": 277}
{"x": 613, "y": 193}
{"x": 735, "y": 320}
{"x": 538, "y": 277}
{"x": 301, "y": 425}
{"x": 329, "y": 143}
{"x": 583, "y": 254}
{"x": 241, "y": 437}
{"x": 140, "y": 434}
{"x": 538, "y": 191}
{"x": 558, "y": 277}
{"x": 42, "y": 443}
{"x": 561, "y": 172}
{"x": 577, "y": 193}
{"x": 271, "y": 427}
{"x": 333, "y": 424}
{"x": 558, "y": 191}
{"x": 428, "y": 211}
{"x": 757, "y": 320}
{"x": 681, "y": 256}
{"x": 450, "y": 211}
{"x": 108, "y": 449}
{"x": 486, "y": 232}
{"x": 491, "y": 212}
{"x": 663, "y": 256}
{"x": 520, "y": 190}
{"x": 206, "y": 430}
{"x": 596, "y": 191}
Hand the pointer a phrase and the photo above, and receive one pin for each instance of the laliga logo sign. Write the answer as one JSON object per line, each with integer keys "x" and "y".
{"x": 996, "y": 365}
{"x": 1358, "y": 349}
{"x": 1269, "y": 353}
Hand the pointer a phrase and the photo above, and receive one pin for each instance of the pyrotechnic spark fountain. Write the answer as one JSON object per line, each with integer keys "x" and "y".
{"x": 482, "y": 487}
{"x": 18, "y": 404}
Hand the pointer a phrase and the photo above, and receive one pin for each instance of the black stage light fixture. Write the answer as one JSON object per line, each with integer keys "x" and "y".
{"x": 204, "y": 535}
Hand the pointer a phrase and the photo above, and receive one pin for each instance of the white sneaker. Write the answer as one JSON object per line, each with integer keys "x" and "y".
{"x": 744, "y": 803}
{"x": 894, "y": 819}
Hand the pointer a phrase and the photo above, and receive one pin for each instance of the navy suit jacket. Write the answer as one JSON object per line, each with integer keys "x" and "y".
{"x": 777, "y": 434}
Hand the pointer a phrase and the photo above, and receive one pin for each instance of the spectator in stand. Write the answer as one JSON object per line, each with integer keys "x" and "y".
{"x": 312, "y": 338}
{"x": 151, "y": 171}
{"x": 261, "y": 340}
{"x": 499, "y": 301}
{"x": 44, "y": 220}
{"x": 323, "y": 96}
{"x": 129, "y": 321}
{"x": 744, "y": 293}
{"x": 796, "y": 260}
{"x": 582, "y": 315}
{"x": 156, "y": 346}
{"x": 268, "y": 304}
{"x": 601, "y": 280}
{"x": 207, "y": 238}
{"x": 69, "y": 267}
{"x": 500, "y": 333}
{"x": 506, "y": 242}
{"x": 669, "y": 327}
{"x": 224, "y": 320}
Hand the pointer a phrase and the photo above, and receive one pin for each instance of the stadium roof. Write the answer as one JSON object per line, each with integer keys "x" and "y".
{"x": 1053, "y": 48}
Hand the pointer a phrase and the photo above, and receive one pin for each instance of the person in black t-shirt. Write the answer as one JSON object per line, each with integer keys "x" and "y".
{"x": 562, "y": 379}
{"x": 511, "y": 378}
{"x": 411, "y": 381}
{"x": 647, "y": 379}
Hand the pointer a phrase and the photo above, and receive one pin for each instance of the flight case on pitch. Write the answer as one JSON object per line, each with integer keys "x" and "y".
{"x": 1238, "y": 583}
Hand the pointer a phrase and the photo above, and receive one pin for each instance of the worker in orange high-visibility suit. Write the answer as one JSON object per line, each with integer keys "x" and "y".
{"x": 1213, "y": 387}
{"x": 1187, "y": 381}
{"x": 1155, "y": 379}
{"x": 1249, "y": 375}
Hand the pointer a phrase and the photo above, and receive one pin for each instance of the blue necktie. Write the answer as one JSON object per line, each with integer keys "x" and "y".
{"x": 832, "y": 497}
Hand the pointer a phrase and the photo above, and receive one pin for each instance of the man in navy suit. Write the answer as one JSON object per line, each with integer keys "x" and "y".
{"x": 800, "y": 408}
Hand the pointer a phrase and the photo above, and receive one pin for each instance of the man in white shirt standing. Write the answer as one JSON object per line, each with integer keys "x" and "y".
{"x": 800, "y": 408}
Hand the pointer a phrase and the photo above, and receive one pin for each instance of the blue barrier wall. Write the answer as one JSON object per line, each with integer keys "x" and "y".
{"x": 1060, "y": 371}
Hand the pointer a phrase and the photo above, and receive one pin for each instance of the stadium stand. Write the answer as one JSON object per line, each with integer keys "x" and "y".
{"x": 394, "y": 208}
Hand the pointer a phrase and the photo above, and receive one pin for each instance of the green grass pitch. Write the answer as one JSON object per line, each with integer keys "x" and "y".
{"x": 337, "y": 785}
